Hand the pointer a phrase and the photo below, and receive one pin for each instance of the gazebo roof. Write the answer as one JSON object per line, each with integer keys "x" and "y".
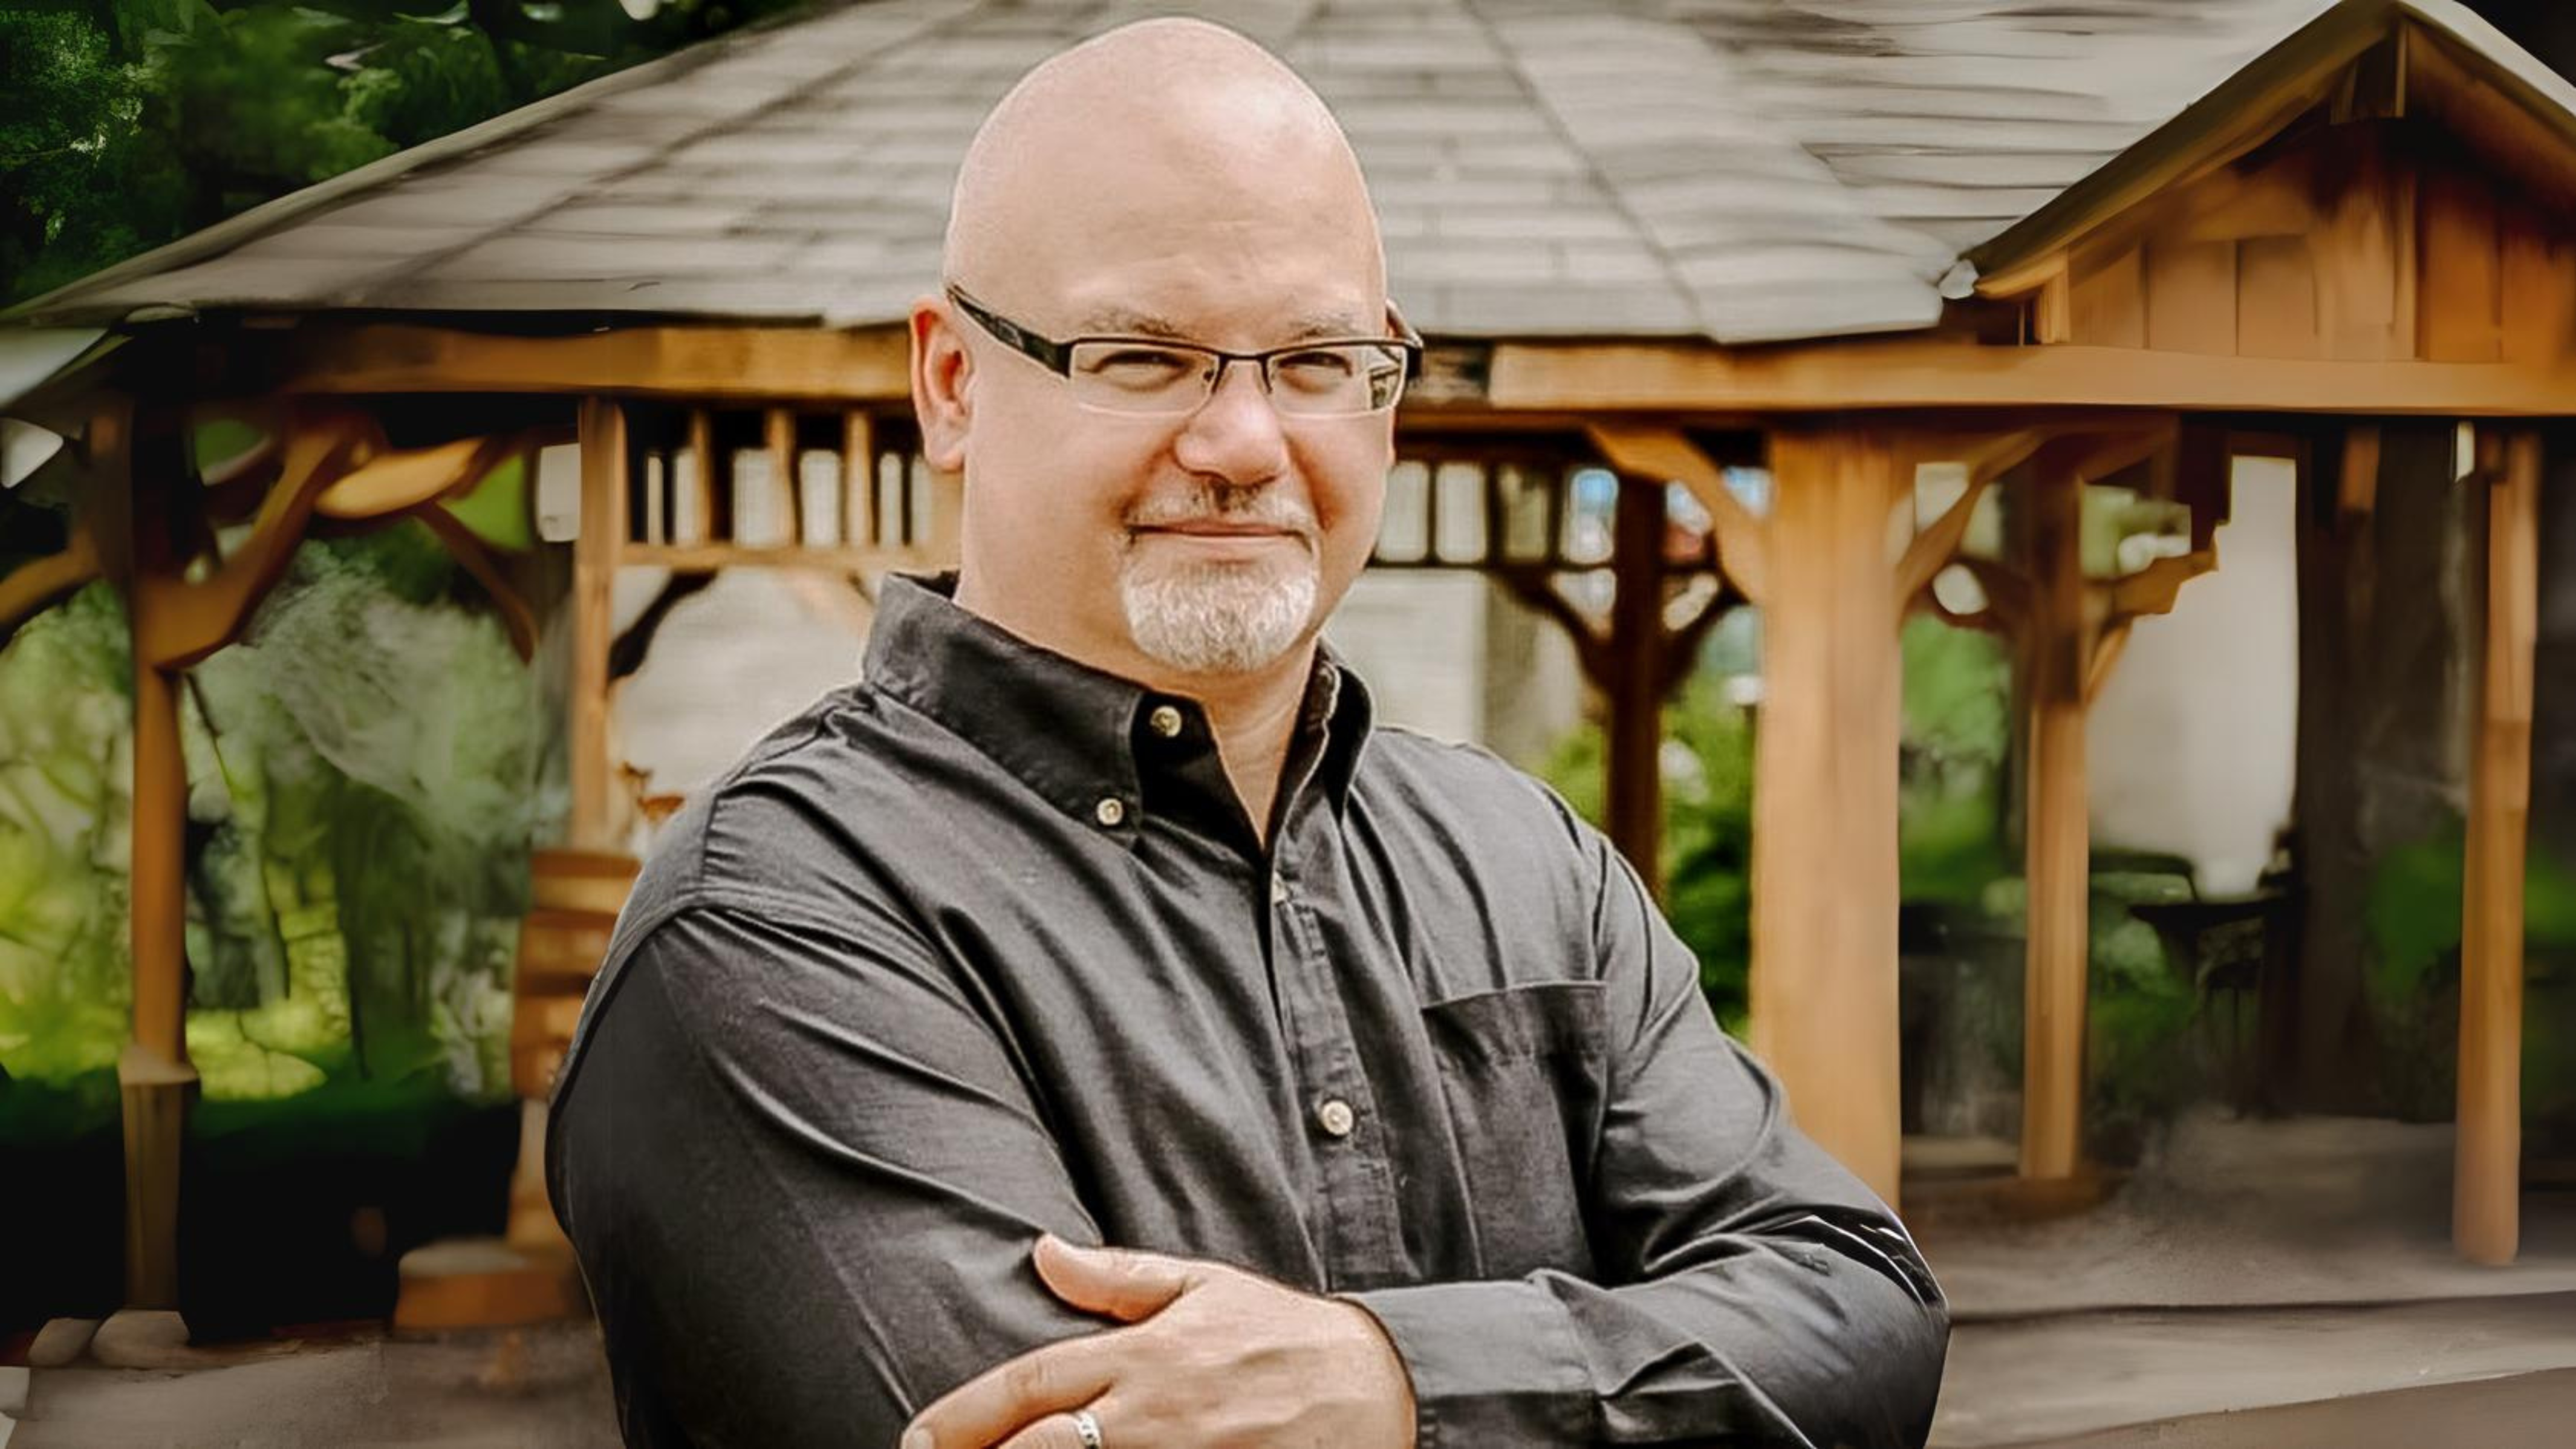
{"x": 1740, "y": 170}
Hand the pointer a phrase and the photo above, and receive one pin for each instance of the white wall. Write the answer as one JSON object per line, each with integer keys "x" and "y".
{"x": 2194, "y": 739}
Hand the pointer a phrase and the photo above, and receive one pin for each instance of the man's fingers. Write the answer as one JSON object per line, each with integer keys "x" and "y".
{"x": 1056, "y": 1431}
{"x": 987, "y": 1409}
{"x": 1122, "y": 1282}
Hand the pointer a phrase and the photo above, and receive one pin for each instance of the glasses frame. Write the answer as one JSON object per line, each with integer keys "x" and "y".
{"x": 1055, "y": 354}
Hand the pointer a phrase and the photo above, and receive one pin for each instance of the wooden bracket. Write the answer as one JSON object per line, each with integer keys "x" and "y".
{"x": 1664, "y": 455}
{"x": 180, "y": 622}
{"x": 32, "y": 586}
{"x": 467, "y": 548}
{"x": 385, "y": 484}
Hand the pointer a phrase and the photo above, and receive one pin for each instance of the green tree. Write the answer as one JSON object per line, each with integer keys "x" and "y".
{"x": 125, "y": 124}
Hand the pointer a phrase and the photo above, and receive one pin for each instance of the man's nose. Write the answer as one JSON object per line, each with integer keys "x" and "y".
{"x": 1236, "y": 434}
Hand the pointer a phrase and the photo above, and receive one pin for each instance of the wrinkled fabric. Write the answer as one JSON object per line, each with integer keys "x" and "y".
{"x": 900, "y": 991}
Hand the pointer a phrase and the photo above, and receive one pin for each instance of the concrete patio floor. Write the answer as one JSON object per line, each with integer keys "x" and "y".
{"x": 2255, "y": 1283}
{"x": 2246, "y": 1280}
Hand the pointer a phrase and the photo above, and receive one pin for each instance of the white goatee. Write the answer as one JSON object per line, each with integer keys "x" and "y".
{"x": 1221, "y": 617}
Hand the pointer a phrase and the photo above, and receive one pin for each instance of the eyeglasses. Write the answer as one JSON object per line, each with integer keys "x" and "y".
{"x": 1155, "y": 377}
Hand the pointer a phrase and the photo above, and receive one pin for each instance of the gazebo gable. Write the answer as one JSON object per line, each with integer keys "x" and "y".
{"x": 2394, "y": 183}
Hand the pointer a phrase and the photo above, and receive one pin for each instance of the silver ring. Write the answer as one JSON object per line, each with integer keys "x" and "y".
{"x": 1088, "y": 1427}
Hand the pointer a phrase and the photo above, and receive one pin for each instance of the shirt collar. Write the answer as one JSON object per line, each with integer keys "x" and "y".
{"x": 1077, "y": 735}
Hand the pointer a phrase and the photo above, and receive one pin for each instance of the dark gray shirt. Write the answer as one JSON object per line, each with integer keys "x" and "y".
{"x": 986, "y": 945}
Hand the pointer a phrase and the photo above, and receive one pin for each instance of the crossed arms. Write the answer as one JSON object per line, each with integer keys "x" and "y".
{"x": 807, "y": 1212}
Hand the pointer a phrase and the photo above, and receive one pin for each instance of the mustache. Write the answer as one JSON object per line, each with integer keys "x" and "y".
{"x": 1259, "y": 506}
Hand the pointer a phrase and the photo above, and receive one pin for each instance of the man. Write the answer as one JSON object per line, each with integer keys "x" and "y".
{"x": 1359, "y": 1092}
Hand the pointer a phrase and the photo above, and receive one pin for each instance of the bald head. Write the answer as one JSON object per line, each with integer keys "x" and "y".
{"x": 1158, "y": 137}
{"x": 1169, "y": 180}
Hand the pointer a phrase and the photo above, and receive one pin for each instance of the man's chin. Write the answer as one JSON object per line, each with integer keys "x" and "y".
{"x": 1219, "y": 618}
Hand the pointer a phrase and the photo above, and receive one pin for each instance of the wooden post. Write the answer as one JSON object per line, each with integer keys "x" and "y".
{"x": 156, "y": 1085}
{"x": 154, "y": 1080}
{"x": 1824, "y": 998}
{"x": 778, "y": 436}
{"x": 2487, "y": 1178}
{"x": 712, "y": 505}
{"x": 595, "y": 551}
{"x": 858, "y": 479}
{"x": 2057, "y": 842}
{"x": 1635, "y": 685}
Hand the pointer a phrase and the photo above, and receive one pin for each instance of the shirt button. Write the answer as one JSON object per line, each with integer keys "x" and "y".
{"x": 1110, "y": 811}
{"x": 1166, "y": 721}
{"x": 1336, "y": 1117}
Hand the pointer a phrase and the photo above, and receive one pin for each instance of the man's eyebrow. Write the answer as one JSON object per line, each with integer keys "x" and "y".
{"x": 1128, "y": 322}
{"x": 1118, "y": 321}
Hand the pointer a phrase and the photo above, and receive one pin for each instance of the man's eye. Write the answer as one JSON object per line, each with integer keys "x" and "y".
{"x": 1140, "y": 366}
{"x": 1320, "y": 370}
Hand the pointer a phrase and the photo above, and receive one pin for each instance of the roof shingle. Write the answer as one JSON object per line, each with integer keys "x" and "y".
{"x": 1745, "y": 170}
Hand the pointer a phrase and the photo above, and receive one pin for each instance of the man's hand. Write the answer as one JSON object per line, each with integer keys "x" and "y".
{"x": 1212, "y": 1356}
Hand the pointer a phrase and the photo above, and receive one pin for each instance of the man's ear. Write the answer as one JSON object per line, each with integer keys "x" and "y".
{"x": 942, "y": 378}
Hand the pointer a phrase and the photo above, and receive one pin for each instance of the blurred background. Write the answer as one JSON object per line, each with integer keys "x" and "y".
{"x": 2039, "y": 528}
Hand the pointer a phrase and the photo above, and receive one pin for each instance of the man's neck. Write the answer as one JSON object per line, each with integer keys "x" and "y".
{"x": 1254, "y": 719}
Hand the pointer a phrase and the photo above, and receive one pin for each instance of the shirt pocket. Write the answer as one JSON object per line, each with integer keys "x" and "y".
{"x": 1521, "y": 1069}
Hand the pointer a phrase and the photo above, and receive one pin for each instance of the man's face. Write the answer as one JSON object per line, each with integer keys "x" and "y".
{"x": 1210, "y": 543}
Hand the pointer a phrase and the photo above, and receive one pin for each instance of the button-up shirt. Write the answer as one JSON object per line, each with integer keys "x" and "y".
{"x": 985, "y": 945}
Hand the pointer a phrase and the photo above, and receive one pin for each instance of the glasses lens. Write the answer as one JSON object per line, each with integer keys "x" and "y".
{"x": 1131, "y": 377}
{"x": 1337, "y": 380}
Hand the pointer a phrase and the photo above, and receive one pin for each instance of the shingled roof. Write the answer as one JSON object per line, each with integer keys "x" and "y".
{"x": 1743, "y": 170}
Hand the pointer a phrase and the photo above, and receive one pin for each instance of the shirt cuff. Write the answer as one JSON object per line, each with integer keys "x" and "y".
{"x": 1495, "y": 1365}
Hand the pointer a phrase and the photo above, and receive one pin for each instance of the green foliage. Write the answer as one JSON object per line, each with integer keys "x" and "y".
{"x": 1706, "y": 857}
{"x": 125, "y": 124}
{"x": 2413, "y": 976}
{"x": 1958, "y": 688}
{"x": 366, "y": 772}
{"x": 65, "y": 701}
{"x": 497, "y": 508}
{"x": 1949, "y": 843}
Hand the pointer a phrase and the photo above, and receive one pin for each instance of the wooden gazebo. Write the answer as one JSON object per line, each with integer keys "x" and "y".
{"x": 2021, "y": 250}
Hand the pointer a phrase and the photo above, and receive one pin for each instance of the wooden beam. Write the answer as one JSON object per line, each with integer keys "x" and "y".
{"x": 708, "y": 558}
{"x": 1935, "y": 372}
{"x": 2487, "y": 1179}
{"x": 1664, "y": 455}
{"x": 871, "y": 365}
{"x": 595, "y": 553}
{"x": 1824, "y": 1000}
